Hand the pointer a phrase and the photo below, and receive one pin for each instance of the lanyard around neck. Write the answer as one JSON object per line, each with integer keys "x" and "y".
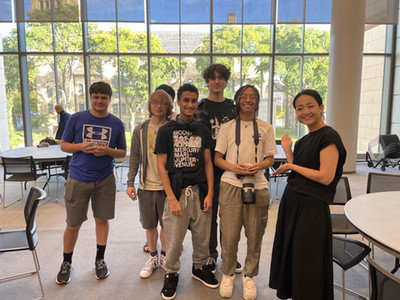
{"x": 237, "y": 137}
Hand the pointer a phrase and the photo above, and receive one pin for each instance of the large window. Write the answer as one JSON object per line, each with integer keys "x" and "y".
{"x": 51, "y": 54}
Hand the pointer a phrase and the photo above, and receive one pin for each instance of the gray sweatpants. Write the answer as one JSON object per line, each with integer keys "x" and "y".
{"x": 175, "y": 229}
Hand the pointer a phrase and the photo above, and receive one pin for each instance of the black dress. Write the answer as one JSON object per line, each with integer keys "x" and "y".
{"x": 301, "y": 264}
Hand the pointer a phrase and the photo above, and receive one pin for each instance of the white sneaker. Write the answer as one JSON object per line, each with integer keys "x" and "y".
{"x": 163, "y": 260}
{"x": 226, "y": 286}
{"x": 150, "y": 266}
{"x": 249, "y": 288}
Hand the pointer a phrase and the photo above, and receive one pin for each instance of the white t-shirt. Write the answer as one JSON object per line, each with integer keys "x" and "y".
{"x": 226, "y": 145}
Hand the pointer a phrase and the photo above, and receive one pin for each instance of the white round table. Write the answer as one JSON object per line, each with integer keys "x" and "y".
{"x": 377, "y": 217}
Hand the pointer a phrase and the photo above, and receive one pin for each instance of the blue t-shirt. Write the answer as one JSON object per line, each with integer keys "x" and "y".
{"x": 84, "y": 127}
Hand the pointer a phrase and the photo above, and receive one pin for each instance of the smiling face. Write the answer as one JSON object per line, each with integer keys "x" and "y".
{"x": 158, "y": 106}
{"x": 100, "y": 103}
{"x": 216, "y": 83}
{"x": 188, "y": 105}
{"x": 308, "y": 111}
{"x": 248, "y": 101}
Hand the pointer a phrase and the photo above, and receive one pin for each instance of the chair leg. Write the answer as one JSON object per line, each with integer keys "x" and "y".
{"x": 396, "y": 266}
{"x": 4, "y": 196}
{"x": 346, "y": 290}
{"x": 37, "y": 266}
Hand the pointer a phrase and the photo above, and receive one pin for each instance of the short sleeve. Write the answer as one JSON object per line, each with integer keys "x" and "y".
{"x": 222, "y": 143}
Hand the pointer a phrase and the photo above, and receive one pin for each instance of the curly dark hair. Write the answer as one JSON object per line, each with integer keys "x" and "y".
{"x": 209, "y": 72}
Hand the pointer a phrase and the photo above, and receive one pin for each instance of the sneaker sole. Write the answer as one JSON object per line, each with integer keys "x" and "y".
{"x": 63, "y": 282}
{"x": 102, "y": 276}
{"x": 213, "y": 286}
{"x": 238, "y": 271}
{"x": 168, "y": 298}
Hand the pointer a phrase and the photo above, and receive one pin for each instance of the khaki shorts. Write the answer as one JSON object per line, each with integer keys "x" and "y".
{"x": 78, "y": 195}
{"x": 151, "y": 207}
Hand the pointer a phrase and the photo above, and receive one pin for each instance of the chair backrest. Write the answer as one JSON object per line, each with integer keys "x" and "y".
{"x": 348, "y": 252}
{"x": 383, "y": 182}
{"x": 387, "y": 139}
{"x": 343, "y": 193}
{"x": 19, "y": 166}
{"x": 35, "y": 195}
{"x": 384, "y": 285}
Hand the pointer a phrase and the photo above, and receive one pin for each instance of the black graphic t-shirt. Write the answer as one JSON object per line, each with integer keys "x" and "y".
{"x": 213, "y": 114}
{"x": 184, "y": 144}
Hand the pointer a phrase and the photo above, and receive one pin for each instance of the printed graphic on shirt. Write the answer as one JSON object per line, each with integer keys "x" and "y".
{"x": 216, "y": 125}
{"x": 96, "y": 133}
{"x": 186, "y": 149}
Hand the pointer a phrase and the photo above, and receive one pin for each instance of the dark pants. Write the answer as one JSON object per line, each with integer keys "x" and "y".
{"x": 214, "y": 225}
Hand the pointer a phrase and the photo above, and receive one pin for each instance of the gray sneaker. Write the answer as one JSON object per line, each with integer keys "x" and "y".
{"x": 64, "y": 276}
{"x": 101, "y": 269}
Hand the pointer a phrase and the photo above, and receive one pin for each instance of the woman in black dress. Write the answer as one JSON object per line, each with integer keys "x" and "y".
{"x": 301, "y": 264}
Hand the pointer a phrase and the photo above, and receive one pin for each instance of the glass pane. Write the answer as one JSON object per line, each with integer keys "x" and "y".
{"x": 42, "y": 93}
{"x": 162, "y": 11}
{"x": 12, "y": 133}
{"x": 165, "y": 70}
{"x": 39, "y": 37}
{"x": 318, "y": 11}
{"x": 6, "y": 14}
{"x": 317, "y": 38}
{"x": 100, "y": 10}
{"x": 288, "y": 38}
{"x": 8, "y": 37}
{"x": 370, "y": 100}
{"x": 256, "y": 39}
{"x": 71, "y": 82}
{"x": 195, "y": 11}
{"x": 38, "y": 10}
{"x": 102, "y": 37}
{"x": 315, "y": 74}
{"x": 227, "y": 39}
{"x": 256, "y": 72}
{"x": 164, "y": 39}
{"x": 132, "y": 38}
{"x": 227, "y": 11}
{"x": 131, "y": 10}
{"x": 290, "y": 11}
{"x": 201, "y": 63}
{"x": 235, "y": 82}
{"x": 375, "y": 39}
{"x": 286, "y": 86}
{"x": 68, "y": 37}
{"x": 134, "y": 91}
{"x": 66, "y": 10}
{"x": 257, "y": 11}
{"x": 190, "y": 74}
{"x": 195, "y": 38}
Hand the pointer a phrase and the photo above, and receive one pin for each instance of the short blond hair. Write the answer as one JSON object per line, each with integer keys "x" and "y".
{"x": 165, "y": 98}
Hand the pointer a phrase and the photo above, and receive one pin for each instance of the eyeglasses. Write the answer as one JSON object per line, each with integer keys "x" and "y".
{"x": 244, "y": 97}
{"x": 155, "y": 103}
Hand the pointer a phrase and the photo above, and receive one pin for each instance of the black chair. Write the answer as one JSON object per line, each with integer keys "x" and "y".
{"x": 19, "y": 169}
{"x": 24, "y": 239}
{"x": 384, "y": 285}
{"x": 58, "y": 169}
{"x": 340, "y": 224}
{"x": 347, "y": 253}
{"x": 384, "y": 182}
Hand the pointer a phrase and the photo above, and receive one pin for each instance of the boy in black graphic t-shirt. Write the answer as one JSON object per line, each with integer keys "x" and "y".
{"x": 186, "y": 172}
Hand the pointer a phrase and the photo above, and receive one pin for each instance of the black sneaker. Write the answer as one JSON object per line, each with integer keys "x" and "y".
{"x": 101, "y": 269}
{"x": 64, "y": 276}
{"x": 168, "y": 291}
{"x": 239, "y": 268}
{"x": 205, "y": 276}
